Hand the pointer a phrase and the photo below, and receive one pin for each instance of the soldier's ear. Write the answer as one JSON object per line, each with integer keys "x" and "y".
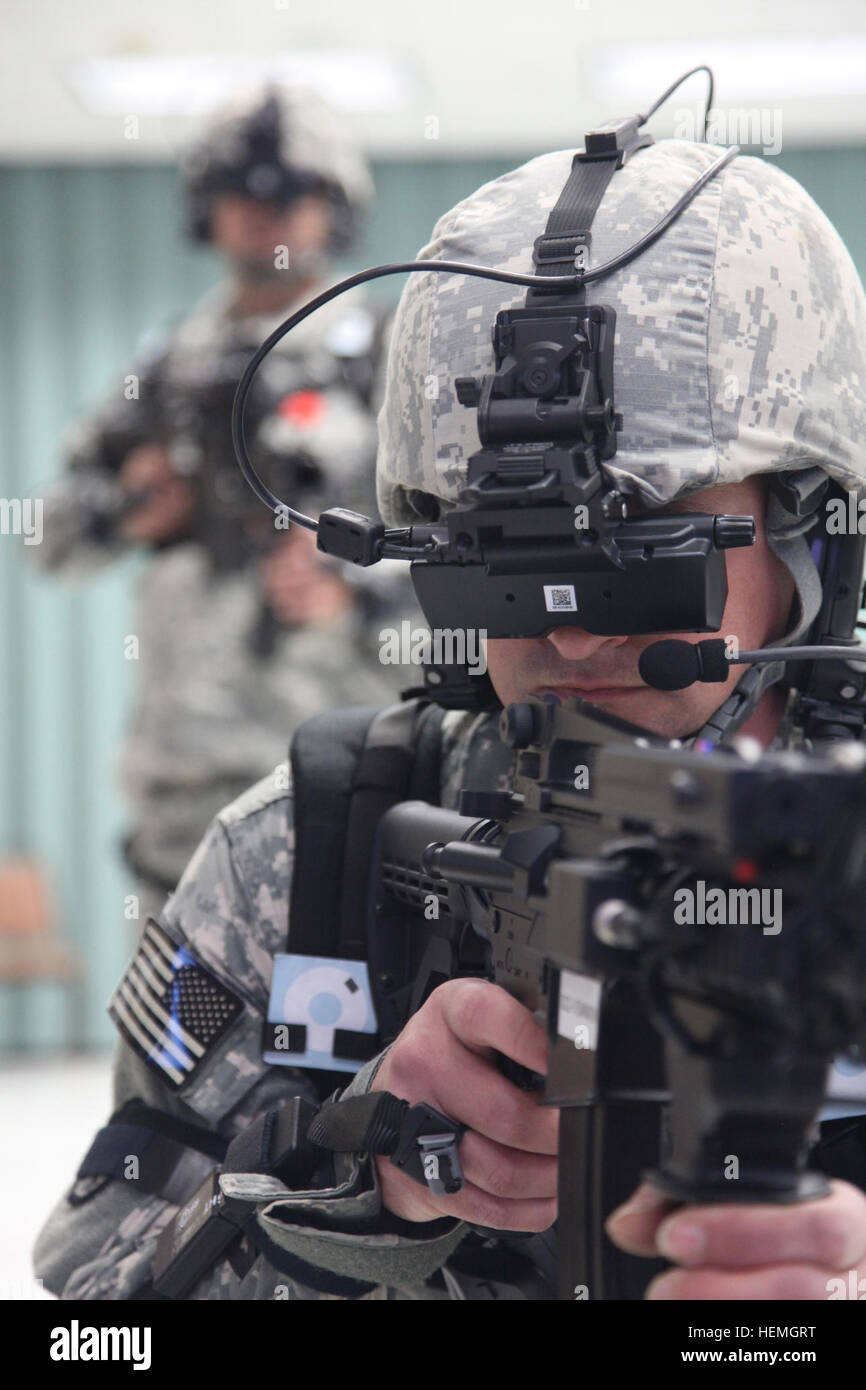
{"x": 424, "y": 504}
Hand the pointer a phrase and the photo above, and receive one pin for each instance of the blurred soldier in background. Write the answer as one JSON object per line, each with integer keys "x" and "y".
{"x": 241, "y": 630}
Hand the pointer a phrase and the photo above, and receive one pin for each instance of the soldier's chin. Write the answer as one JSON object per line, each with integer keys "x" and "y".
{"x": 264, "y": 272}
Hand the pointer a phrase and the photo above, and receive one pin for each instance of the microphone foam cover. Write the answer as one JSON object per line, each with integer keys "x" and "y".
{"x": 670, "y": 665}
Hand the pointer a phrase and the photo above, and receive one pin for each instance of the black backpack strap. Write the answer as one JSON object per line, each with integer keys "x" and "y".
{"x": 324, "y": 754}
{"x": 388, "y": 770}
{"x": 348, "y": 769}
{"x": 426, "y": 782}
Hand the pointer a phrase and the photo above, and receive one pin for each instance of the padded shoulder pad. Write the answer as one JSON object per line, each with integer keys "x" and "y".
{"x": 348, "y": 768}
{"x": 324, "y": 753}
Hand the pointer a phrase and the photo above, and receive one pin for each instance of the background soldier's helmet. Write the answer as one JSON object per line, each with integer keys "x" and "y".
{"x": 275, "y": 145}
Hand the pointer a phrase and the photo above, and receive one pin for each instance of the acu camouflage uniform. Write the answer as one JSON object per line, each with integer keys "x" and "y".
{"x": 740, "y": 348}
{"x": 230, "y": 911}
{"x": 208, "y": 718}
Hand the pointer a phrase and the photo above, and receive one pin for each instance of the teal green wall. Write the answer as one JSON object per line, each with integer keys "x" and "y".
{"x": 91, "y": 259}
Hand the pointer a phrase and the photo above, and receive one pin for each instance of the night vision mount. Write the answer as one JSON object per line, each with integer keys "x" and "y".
{"x": 542, "y": 536}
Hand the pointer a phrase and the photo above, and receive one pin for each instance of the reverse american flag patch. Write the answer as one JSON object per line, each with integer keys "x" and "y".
{"x": 169, "y": 1008}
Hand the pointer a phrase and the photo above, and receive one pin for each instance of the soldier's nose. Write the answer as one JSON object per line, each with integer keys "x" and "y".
{"x": 574, "y": 644}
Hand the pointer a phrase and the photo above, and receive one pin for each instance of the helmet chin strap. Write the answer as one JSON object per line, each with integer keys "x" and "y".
{"x": 724, "y": 722}
{"x": 742, "y": 702}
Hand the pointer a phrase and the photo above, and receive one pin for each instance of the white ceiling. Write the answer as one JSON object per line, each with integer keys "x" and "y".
{"x": 478, "y": 76}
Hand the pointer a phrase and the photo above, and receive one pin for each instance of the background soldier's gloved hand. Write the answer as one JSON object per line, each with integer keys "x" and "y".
{"x": 446, "y": 1056}
{"x": 169, "y": 504}
{"x": 300, "y": 584}
{"x": 748, "y": 1252}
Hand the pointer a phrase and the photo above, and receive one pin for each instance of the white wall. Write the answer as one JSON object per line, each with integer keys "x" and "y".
{"x": 492, "y": 73}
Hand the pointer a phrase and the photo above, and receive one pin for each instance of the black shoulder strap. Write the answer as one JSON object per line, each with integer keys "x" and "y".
{"x": 348, "y": 768}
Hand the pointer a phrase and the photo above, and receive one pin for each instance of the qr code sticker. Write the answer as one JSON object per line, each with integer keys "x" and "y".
{"x": 560, "y": 598}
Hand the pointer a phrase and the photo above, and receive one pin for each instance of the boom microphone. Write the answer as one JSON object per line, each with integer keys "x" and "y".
{"x": 672, "y": 665}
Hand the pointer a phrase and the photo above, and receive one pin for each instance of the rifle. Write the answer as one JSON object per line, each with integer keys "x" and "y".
{"x": 190, "y": 417}
{"x": 193, "y": 423}
{"x": 694, "y": 1053}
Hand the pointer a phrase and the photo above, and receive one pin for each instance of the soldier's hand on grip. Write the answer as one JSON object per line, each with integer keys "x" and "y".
{"x": 168, "y": 501}
{"x": 300, "y": 584}
{"x": 446, "y": 1056}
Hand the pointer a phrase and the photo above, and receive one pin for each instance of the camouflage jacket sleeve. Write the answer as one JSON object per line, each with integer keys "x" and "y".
{"x": 228, "y": 919}
{"x": 80, "y": 507}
